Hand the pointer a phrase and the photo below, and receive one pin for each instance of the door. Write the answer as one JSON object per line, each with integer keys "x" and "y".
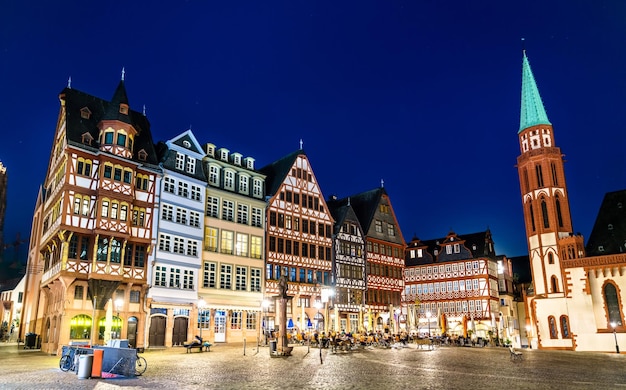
{"x": 157, "y": 331}
{"x": 220, "y": 326}
{"x": 132, "y": 332}
{"x": 179, "y": 336}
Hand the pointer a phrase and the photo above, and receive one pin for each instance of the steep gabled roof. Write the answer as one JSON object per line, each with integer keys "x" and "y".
{"x": 78, "y": 125}
{"x": 608, "y": 236}
{"x": 277, "y": 171}
{"x": 364, "y": 205}
{"x": 532, "y": 110}
{"x": 476, "y": 244}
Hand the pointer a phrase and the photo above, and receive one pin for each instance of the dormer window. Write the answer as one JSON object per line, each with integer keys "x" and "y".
{"x": 236, "y": 159}
{"x": 224, "y": 155}
{"x": 210, "y": 150}
{"x": 85, "y": 113}
{"x": 610, "y": 226}
{"x": 124, "y": 109}
{"x": 108, "y": 137}
{"x": 86, "y": 138}
{"x": 142, "y": 155}
{"x": 249, "y": 161}
{"x": 187, "y": 144}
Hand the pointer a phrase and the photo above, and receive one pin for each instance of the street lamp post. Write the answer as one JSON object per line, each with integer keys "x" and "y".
{"x": 614, "y": 325}
{"x": 119, "y": 304}
{"x": 428, "y": 318}
{"x": 201, "y": 307}
{"x": 318, "y": 306}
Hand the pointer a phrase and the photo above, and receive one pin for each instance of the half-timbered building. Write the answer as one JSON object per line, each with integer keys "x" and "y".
{"x": 299, "y": 243}
{"x": 385, "y": 258}
{"x": 231, "y": 284}
{"x": 349, "y": 257}
{"x": 179, "y": 228}
{"x": 451, "y": 286}
{"x": 93, "y": 224}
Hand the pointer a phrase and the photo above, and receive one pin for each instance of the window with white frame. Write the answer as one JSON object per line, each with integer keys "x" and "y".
{"x": 241, "y": 247}
{"x": 457, "y": 248}
{"x": 226, "y": 276}
{"x": 257, "y": 217}
{"x": 479, "y": 306}
{"x": 255, "y": 279}
{"x": 213, "y": 207}
{"x": 243, "y": 184}
{"x": 167, "y": 212}
{"x": 471, "y": 306}
{"x": 235, "y": 319}
{"x": 257, "y": 190}
{"x": 449, "y": 286}
{"x": 458, "y": 306}
{"x": 181, "y": 215}
{"x": 175, "y": 277}
{"x": 191, "y": 165}
{"x": 228, "y": 209}
{"x": 455, "y": 285}
{"x": 194, "y": 219}
{"x": 180, "y": 161}
{"x": 251, "y": 320}
{"x": 188, "y": 280}
{"x": 210, "y": 239}
{"x": 461, "y": 285}
{"x": 468, "y": 284}
{"x": 242, "y": 213}
{"x": 449, "y": 249}
{"x": 164, "y": 242}
{"x": 226, "y": 243}
{"x": 209, "y": 275}
{"x": 159, "y": 276}
{"x": 179, "y": 245}
{"x": 475, "y": 283}
{"x": 169, "y": 185}
{"x": 214, "y": 175}
{"x": 192, "y": 248}
{"x": 379, "y": 226}
{"x": 241, "y": 278}
{"x": 229, "y": 180}
{"x": 183, "y": 189}
{"x": 256, "y": 247}
{"x": 196, "y": 193}
{"x": 391, "y": 231}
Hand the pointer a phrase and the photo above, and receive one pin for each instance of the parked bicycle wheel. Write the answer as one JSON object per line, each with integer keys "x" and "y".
{"x": 140, "y": 365}
{"x": 65, "y": 364}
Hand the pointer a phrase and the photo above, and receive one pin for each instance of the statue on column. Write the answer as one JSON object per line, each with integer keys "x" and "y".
{"x": 282, "y": 286}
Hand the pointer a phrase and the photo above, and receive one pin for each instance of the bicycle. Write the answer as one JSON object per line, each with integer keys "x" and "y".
{"x": 124, "y": 365}
{"x": 66, "y": 363}
{"x": 140, "y": 363}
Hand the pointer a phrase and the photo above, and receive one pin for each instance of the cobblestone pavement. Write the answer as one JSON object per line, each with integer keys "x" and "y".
{"x": 226, "y": 367}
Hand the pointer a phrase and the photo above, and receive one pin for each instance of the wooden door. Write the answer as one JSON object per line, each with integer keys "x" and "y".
{"x": 157, "y": 331}
{"x": 179, "y": 336}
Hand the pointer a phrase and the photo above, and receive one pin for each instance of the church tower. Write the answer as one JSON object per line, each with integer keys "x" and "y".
{"x": 544, "y": 193}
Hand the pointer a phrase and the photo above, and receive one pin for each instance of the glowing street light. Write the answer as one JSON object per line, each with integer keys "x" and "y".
{"x": 614, "y": 325}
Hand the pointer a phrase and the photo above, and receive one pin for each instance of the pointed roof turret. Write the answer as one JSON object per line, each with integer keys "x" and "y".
{"x": 119, "y": 108}
{"x": 532, "y": 110}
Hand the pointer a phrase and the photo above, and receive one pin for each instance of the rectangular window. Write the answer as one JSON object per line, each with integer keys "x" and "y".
{"x": 213, "y": 207}
{"x": 256, "y": 247}
{"x": 140, "y": 256}
{"x": 235, "y": 319}
{"x": 226, "y": 244}
{"x": 226, "y": 276}
{"x": 167, "y": 213}
{"x": 229, "y": 180}
{"x": 214, "y": 175}
{"x": 179, "y": 245}
{"x": 210, "y": 239}
{"x": 183, "y": 189}
{"x": 175, "y": 277}
{"x": 159, "y": 276}
{"x": 191, "y": 165}
{"x": 108, "y": 171}
{"x": 192, "y": 248}
{"x": 257, "y": 219}
{"x": 78, "y": 292}
{"x": 255, "y": 279}
{"x": 241, "y": 247}
{"x": 194, "y": 219}
{"x": 257, "y": 190}
{"x": 209, "y": 276}
{"x": 250, "y": 320}
{"x": 164, "y": 243}
{"x": 242, "y": 214}
{"x": 188, "y": 280}
{"x": 243, "y": 184}
{"x": 195, "y": 193}
{"x": 241, "y": 278}
{"x": 181, "y": 216}
{"x": 117, "y": 174}
{"x": 180, "y": 161}
{"x": 379, "y": 226}
{"x": 134, "y": 296}
{"x": 228, "y": 209}
{"x": 169, "y": 185}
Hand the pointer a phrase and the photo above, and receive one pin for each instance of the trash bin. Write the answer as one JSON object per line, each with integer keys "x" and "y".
{"x": 273, "y": 344}
{"x": 85, "y": 363}
{"x": 30, "y": 341}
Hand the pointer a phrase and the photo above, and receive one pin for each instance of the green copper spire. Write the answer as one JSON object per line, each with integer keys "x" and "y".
{"x": 532, "y": 112}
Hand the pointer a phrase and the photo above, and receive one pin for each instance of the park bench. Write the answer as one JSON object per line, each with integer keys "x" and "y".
{"x": 515, "y": 355}
{"x": 206, "y": 346}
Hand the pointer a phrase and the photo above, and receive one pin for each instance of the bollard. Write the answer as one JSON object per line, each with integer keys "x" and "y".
{"x": 244, "y": 347}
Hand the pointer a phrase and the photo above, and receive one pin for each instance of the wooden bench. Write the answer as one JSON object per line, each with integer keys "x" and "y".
{"x": 515, "y": 355}
{"x": 206, "y": 346}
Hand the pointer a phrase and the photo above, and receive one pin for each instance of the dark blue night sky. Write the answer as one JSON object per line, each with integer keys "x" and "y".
{"x": 422, "y": 94}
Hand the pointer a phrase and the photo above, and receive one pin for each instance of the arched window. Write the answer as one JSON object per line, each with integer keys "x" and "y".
{"x": 550, "y": 258}
{"x": 544, "y": 214}
{"x": 612, "y": 304}
{"x": 46, "y": 333}
{"x": 116, "y": 327}
{"x": 532, "y": 217}
{"x": 559, "y": 216}
{"x": 80, "y": 327}
{"x": 552, "y": 325}
{"x": 554, "y": 282}
{"x": 565, "y": 327}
